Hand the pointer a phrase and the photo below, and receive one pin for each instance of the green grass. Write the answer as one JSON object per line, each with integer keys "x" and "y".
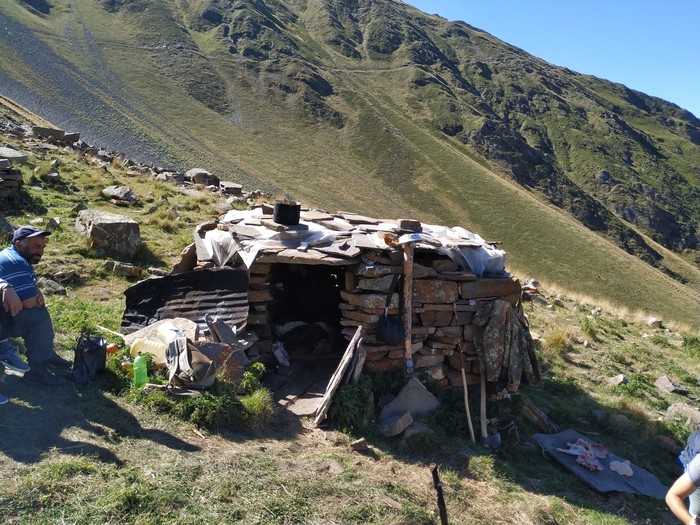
{"x": 129, "y": 457}
{"x": 388, "y": 156}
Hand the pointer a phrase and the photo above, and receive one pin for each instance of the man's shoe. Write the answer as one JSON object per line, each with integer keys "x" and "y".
{"x": 11, "y": 360}
{"x": 40, "y": 374}
{"x": 3, "y": 399}
{"x": 57, "y": 360}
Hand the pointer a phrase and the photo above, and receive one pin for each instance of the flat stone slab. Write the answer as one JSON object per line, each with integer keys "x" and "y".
{"x": 12, "y": 155}
{"x": 413, "y": 398}
{"x": 306, "y": 405}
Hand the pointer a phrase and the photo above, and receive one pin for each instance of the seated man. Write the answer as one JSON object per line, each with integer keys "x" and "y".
{"x": 28, "y": 317}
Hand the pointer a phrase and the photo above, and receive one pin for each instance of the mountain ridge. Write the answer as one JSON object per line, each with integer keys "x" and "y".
{"x": 438, "y": 106}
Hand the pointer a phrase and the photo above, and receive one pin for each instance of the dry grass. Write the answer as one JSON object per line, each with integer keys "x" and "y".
{"x": 83, "y": 455}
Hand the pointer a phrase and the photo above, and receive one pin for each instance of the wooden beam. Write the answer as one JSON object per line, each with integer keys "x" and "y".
{"x": 407, "y": 306}
{"x": 337, "y": 377}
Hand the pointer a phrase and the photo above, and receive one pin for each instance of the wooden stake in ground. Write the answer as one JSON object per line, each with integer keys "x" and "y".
{"x": 482, "y": 411}
{"x": 464, "y": 384}
{"x": 440, "y": 498}
{"x": 407, "y": 306}
{"x": 466, "y": 399}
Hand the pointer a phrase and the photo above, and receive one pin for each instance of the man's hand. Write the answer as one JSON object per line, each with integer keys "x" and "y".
{"x": 40, "y": 298}
{"x": 11, "y": 301}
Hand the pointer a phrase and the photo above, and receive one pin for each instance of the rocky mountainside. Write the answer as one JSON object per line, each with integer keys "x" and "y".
{"x": 374, "y": 106}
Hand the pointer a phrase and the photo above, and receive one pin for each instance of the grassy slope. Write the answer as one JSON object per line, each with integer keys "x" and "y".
{"x": 429, "y": 177}
{"x": 100, "y": 458}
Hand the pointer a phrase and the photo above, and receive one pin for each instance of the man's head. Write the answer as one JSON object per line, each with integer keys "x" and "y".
{"x": 30, "y": 242}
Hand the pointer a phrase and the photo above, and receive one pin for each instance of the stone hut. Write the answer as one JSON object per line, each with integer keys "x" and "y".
{"x": 311, "y": 284}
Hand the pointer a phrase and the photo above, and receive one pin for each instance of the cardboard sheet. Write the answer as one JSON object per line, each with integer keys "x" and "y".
{"x": 641, "y": 482}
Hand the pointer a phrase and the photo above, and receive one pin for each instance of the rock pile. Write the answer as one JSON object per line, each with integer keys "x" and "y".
{"x": 10, "y": 179}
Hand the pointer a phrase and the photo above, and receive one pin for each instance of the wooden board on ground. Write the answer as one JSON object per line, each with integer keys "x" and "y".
{"x": 642, "y": 482}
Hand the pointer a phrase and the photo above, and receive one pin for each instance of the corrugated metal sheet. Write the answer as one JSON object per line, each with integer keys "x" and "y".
{"x": 219, "y": 292}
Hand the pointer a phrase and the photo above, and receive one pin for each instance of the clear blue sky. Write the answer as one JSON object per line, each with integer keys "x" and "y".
{"x": 651, "y": 46}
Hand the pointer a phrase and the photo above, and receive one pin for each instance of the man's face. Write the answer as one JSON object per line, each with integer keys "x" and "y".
{"x": 32, "y": 248}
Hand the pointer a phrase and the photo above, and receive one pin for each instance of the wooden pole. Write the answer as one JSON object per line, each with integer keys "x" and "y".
{"x": 466, "y": 399}
{"x": 464, "y": 376}
{"x": 407, "y": 306}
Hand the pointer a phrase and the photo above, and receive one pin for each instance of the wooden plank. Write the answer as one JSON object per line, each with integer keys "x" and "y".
{"x": 316, "y": 215}
{"x": 361, "y": 357}
{"x": 276, "y": 226}
{"x": 354, "y": 218}
{"x": 342, "y": 248}
{"x": 337, "y": 377}
{"x": 408, "y": 305}
{"x": 338, "y": 224}
{"x": 362, "y": 240}
{"x": 308, "y": 257}
{"x": 458, "y": 276}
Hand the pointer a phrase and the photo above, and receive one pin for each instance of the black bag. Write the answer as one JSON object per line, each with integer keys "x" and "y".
{"x": 390, "y": 327}
{"x": 90, "y": 358}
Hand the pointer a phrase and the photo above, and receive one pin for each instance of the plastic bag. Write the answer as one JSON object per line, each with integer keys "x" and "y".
{"x": 390, "y": 329}
{"x": 90, "y": 358}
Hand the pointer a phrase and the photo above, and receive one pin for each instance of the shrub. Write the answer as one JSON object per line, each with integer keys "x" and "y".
{"x": 691, "y": 344}
{"x": 588, "y": 327}
{"x": 258, "y": 408}
{"x": 557, "y": 341}
{"x": 353, "y": 405}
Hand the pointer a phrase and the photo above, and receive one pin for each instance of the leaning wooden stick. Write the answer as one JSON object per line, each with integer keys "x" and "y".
{"x": 466, "y": 399}
{"x": 336, "y": 378}
{"x": 464, "y": 379}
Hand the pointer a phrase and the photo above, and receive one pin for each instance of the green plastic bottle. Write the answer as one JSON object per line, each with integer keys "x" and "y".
{"x": 140, "y": 368}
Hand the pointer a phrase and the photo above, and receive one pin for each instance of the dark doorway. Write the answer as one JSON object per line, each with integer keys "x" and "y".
{"x": 305, "y": 311}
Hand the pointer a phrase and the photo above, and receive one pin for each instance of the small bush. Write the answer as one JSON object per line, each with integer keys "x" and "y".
{"x": 353, "y": 405}
{"x": 588, "y": 327}
{"x": 482, "y": 468}
{"x": 258, "y": 408}
{"x": 252, "y": 378}
{"x": 422, "y": 444}
{"x": 637, "y": 384}
{"x": 691, "y": 344}
{"x": 557, "y": 342}
{"x": 660, "y": 340}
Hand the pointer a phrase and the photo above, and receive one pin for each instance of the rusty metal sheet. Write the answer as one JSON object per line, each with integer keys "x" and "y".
{"x": 219, "y": 292}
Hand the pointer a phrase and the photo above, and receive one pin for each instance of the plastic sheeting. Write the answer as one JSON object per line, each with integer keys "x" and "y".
{"x": 470, "y": 251}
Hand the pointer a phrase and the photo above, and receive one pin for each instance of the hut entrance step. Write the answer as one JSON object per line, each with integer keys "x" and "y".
{"x": 300, "y": 387}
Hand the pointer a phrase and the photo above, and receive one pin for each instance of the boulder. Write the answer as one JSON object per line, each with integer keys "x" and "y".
{"x": 110, "y": 232}
{"x": 203, "y": 177}
{"x": 122, "y": 193}
{"x": 413, "y": 398}
{"x": 12, "y": 155}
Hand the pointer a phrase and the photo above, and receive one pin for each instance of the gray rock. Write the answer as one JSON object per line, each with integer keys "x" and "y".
{"x": 617, "y": 380}
{"x": 49, "y": 287}
{"x": 413, "y": 398}
{"x": 122, "y": 193}
{"x": 417, "y": 428}
{"x": 109, "y": 232}
{"x": 203, "y": 177}
{"x": 691, "y": 414}
{"x": 12, "y": 155}
{"x": 394, "y": 424}
{"x": 664, "y": 384}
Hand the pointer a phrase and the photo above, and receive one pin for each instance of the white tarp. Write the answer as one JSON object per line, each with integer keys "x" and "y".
{"x": 467, "y": 249}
